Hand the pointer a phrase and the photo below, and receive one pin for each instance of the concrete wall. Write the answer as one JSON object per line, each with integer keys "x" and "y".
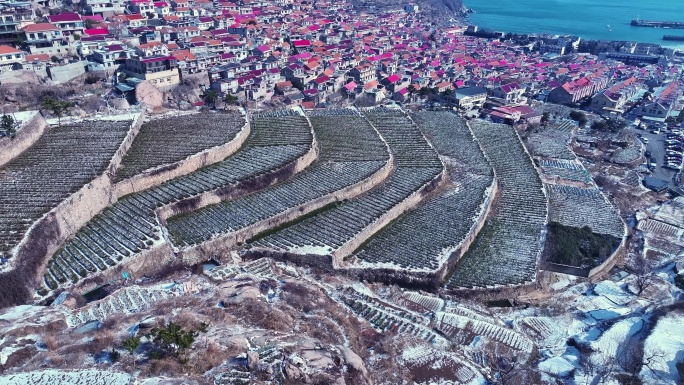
{"x": 51, "y": 231}
{"x": 157, "y": 176}
{"x": 26, "y": 136}
{"x": 62, "y": 74}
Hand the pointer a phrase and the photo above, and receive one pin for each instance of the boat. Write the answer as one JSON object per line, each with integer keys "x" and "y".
{"x": 609, "y": 29}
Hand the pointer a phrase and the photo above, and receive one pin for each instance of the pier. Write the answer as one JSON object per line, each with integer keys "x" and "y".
{"x": 657, "y": 24}
{"x": 673, "y": 37}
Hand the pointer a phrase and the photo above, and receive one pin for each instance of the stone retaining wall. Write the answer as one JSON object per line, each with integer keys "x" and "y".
{"x": 407, "y": 204}
{"x": 242, "y": 188}
{"x": 231, "y": 240}
{"x": 25, "y": 137}
{"x": 156, "y": 176}
{"x": 50, "y": 232}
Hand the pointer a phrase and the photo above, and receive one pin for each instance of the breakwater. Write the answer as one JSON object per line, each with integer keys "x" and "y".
{"x": 657, "y": 24}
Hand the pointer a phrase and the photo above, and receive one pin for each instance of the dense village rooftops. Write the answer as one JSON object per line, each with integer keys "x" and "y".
{"x": 39, "y": 57}
{"x": 96, "y": 31}
{"x": 64, "y": 18}
{"x": 156, "y": 59}
{"x": 40, "y": 27}
{"x": 301, "y": 43}
{"x": 470, "y": 91}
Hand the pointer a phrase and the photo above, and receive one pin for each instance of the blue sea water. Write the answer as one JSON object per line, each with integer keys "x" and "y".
{"x": 586, "y": 18}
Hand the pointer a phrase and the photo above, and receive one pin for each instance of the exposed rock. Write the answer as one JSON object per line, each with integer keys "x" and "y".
{"x": 354, "y": 361}
{"x": 292, "y": 372}
{"x": 146, "y": 93}
{"x": 252, "y": 360}
{"x": 119, "y": 104}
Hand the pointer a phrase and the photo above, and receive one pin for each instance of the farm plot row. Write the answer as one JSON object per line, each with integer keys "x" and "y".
{"x": 125, "y": 301}
{"x": 450, "y": 136}
{"x": 565, "y": 169}
{"x": 579, "y": 207}
{"x": 62, "y": 161}
{"x": 551, "y": 142}
{"x": 428, "y": 363}
{"x": 350, "y": 151}
{"x": 385, "y": 317}
{"x": 129, "y": 226}
{"x": 507, "y": 249}
{"x": 629, "y": 154}
{"x": 421, "y": 239}
{"x": 172, "y": 139}
{"x": 260, "y": 268}
{"x": 660, "y": 229}
{"x": 463, "y": 331}
{"x": 421, "y": 303}
{"x": 417, "y": 165}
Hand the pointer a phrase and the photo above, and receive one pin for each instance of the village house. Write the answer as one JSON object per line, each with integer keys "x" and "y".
{"x": 576, "y": 90}
{"x": 161, "y": 71}
{"x": 10, "y": 57}
{"x": 68, "y": 23}
{"x": 511, "y": 93}
{"x": 469, "y": 98}
{"x": 46, "y": 38}
{"x": 614, "y": 99}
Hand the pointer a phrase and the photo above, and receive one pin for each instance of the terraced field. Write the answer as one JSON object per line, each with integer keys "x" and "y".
{"x": 417, "y": 165}
{"x": 350, "y": 152}
{"x": 507, "y": 249}
{"x": 579, "y": 207}
{"x": 423, "y": 239}
{"x": 62, "y": 161}
{"x": 172, "y": 139}
{"x": 130, "y": 226}
{"x": 552, "y": 141}
{"x": 385, "y": 316}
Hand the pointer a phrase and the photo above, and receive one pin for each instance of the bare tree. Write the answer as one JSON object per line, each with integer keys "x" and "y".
{"x": 597, "y": 372}
{"x": 509, "y": 368}
{"x": 633, "y": 360}
{"x": 643, "y": 276}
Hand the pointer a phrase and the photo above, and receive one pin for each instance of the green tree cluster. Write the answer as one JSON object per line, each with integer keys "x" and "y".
{"x": 8, "y": 126}
{"x": 57, "y": 107}
{"x": 580, "y": 117}
{"x": 612, "y": 125}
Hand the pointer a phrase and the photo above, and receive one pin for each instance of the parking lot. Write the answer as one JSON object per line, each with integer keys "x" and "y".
{"x": 665, "y": 149}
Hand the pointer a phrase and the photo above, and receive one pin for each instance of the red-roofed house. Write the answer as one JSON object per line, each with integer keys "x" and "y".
{"x": 511, "y": 93}
{"x": 46, "y": 38}
{"x": 67, "y": 22}
{"x": 9, "y": 57}
{"x": 300, "y": 44}
{"x": 614, "y": 98}
{"x": 576, "y": 90}
{"x": 161, "y": 71}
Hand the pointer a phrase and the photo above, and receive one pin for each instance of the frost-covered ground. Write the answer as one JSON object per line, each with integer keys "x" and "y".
{"x": 666, "y": 342}
{"x": 61, "y": 377}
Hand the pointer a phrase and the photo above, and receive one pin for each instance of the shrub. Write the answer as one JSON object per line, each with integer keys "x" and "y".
{"x": 92, "y": 79}
{"x": 580, "y": 247}
{"x": 679, "y": 281}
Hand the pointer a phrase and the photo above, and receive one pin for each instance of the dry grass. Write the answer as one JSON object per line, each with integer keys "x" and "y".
{"x": 51, "y": 342}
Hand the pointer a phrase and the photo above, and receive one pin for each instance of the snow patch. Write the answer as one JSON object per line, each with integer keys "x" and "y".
{"x": 556, "y": 366}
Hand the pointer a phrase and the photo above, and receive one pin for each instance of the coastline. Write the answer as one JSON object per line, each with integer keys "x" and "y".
{"x": 615, "y": 27}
